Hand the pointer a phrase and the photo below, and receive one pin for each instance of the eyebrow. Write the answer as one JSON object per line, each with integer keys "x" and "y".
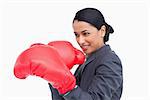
{"x": 81, "y": 31}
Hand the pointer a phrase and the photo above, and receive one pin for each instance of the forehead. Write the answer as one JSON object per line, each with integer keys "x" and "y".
{"x": 79, "y": 26}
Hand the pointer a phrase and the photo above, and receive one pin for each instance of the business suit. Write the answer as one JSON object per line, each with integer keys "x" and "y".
{"x": 99, "y": 78}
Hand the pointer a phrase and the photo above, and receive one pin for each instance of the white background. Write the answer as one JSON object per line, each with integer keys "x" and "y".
{"x": 23, "y": 22}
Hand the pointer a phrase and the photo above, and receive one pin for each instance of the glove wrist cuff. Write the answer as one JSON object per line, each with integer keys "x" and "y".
{"x": 69, "y": 91}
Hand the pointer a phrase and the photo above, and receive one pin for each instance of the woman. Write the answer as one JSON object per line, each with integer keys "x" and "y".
{"x": 100, "y": 77}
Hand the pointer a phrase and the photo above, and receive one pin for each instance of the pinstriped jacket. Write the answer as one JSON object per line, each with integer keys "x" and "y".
{"x": 99, "y": 78}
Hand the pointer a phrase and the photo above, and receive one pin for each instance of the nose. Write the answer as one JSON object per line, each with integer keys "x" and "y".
{"x": 80, "y": 40}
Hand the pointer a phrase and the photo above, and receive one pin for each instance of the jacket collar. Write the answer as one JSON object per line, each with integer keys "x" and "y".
{"x": 99, "y": 52}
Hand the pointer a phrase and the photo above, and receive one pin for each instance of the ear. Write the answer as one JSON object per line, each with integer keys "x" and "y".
{"x": 103, "y": 30}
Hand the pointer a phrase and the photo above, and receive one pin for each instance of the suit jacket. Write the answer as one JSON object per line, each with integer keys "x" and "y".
{"x": 99, "y": 78}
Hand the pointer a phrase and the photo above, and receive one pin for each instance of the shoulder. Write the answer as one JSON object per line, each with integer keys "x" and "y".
{"x": 109, "y": 60}
{"x": 107, "y": 55}
{"x": 112, "y": 56}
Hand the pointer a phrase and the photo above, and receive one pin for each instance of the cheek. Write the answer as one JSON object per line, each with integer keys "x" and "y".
{"x": 93, "y": 39}
{"x": 77, "y": 41}
{"x": 95, "y": 43}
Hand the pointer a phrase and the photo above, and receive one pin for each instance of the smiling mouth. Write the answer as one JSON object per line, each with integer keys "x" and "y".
{"x": 84, "y": 48}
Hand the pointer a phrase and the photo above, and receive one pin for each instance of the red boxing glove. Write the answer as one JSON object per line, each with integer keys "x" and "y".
{"x": 44, "y": 61}
{"x": 69, "y": 54}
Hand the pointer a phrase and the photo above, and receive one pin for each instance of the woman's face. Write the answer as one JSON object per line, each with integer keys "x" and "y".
{"x": 88, "y": 37}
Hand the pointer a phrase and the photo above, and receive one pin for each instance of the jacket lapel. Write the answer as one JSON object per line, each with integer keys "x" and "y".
{"x": 88, "y": 71}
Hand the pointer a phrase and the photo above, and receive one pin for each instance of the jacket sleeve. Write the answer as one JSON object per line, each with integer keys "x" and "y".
{"x": 105, "y": 83}
{"x": 55, "y": 94}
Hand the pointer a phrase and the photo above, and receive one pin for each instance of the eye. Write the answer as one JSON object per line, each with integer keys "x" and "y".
{"x": 76, "y": 35}
{"x": 86, "y": 33}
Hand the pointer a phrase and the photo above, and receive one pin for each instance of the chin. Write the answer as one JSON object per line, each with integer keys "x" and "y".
{"x": 87, "y": 53}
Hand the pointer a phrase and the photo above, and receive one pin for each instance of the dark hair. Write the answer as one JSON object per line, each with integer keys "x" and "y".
{"x": 95, "y": 18}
